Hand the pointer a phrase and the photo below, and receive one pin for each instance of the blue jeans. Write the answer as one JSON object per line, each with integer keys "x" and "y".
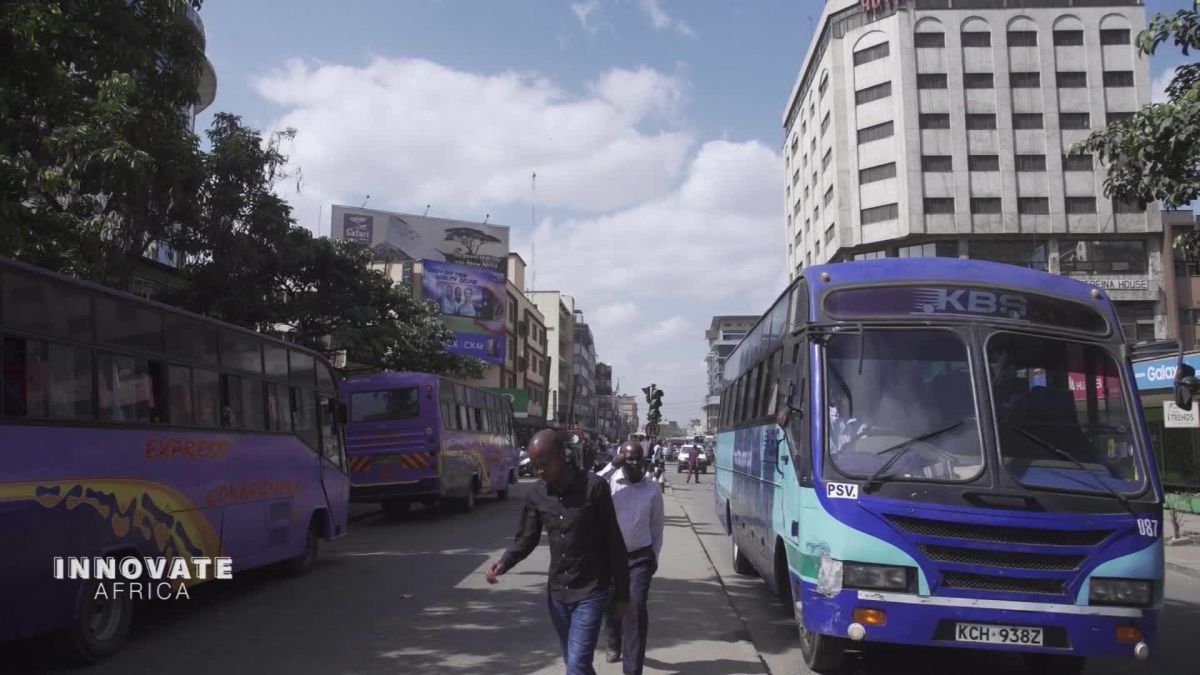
{"x": 578, "y": 626}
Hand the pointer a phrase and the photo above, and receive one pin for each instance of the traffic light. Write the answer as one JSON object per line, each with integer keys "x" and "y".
{"x": 655, "y": 400}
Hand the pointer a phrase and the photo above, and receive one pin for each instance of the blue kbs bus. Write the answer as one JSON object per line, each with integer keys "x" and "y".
{"x": 944, "y": 453}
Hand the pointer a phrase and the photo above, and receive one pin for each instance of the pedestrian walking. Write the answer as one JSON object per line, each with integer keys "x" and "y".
{"x": 694, "y": 464}
{"x": 639, "y": 506}
{"x": 588, "y": 559}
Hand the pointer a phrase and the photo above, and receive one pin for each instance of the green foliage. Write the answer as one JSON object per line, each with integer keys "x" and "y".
{"x": 1155, "y": 156}
{"x": 94, "y": 157}
{"x": 97, "y": 161}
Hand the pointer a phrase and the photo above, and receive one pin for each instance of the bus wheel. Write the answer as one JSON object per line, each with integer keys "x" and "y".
{"x": 100, "y": 627}
{"x": 467, "y": 504}
{"x": 741, "y": 564}
{"x": 822, "y": 653}
{"x": 1054, "y": 664}
{"x": 502, "y": 493}
{"x": 395, "y": 508}
{"x": 307, "y": 560}
{"x": 783, "y": 579}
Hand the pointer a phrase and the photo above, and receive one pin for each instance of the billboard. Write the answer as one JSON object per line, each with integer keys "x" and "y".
{"x": 402, "y": 236}
{"x": 473, "y": 306}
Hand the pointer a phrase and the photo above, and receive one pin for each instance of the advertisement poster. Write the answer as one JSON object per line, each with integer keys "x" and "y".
{"x": 401, "y": 236}
{"x": 472, "y": 302}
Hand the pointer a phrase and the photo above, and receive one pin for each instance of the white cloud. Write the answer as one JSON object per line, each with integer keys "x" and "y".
{"x": 663, "y": 21}
{"x": 651, "y": 233}
{"x": 427, "y": 134}
{"x": 657, "y": 272}
{"x": 1158, "y": 88}
{"x": 583, "y": 11}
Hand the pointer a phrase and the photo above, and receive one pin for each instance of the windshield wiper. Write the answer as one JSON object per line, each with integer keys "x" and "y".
{"x": 1071, "y": 458}
{"x": 903, "y": 446}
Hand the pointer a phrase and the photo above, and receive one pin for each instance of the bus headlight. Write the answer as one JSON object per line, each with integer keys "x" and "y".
{"x": 1135, "y": 592}
{"x": 878, "y": 577}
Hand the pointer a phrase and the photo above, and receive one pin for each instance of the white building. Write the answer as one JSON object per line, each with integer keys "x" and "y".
{"x": 723, "y": 335}
{"x": 558, "y": 311}
{"x": 941, "y": 128}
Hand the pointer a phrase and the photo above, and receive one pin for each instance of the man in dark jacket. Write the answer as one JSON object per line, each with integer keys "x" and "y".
{"x": 587, "y": 550}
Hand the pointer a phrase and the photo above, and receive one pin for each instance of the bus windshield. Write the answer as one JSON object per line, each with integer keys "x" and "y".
{"x": 1061, "y": 415}
{"x": 391, "y": 405}
{"x": 902, "y": 391}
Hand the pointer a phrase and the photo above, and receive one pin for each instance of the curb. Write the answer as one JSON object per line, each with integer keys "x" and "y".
{"x": 1184, "y": 570}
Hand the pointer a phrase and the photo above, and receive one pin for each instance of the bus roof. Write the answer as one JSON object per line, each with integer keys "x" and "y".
{"x": 882, "y": 272}
{"x": 373, "y": 381}
{"x": 16, "y": 265}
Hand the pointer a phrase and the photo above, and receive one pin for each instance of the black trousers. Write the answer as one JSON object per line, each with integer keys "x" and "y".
{"x": 627, "y": 634}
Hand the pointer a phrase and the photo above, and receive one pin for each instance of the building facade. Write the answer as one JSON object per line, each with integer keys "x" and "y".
{"x": 558, "y": 311}
{"x": 627, "y": 408}
{"x": 723, "y": 336}
{"x": 1182, "y": 280}
{"x": 918, "y": 129}
{"x": 523, "y": 376}
{"x": 583, "y": 404}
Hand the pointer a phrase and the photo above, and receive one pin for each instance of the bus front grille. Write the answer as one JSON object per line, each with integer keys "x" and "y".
{"x": 1006, "y": 559}
{"x": 997, "y": 534}
{"x": 999, "y": 584}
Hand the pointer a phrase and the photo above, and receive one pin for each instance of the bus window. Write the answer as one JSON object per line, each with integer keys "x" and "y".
{"x": 70, "y": 383}
{"x": 331, "y": 442}
{"x": 21, "y": 393}
{"x": 190, "y": 340}
{"x": 127, "y": 325}
{"x": 479, "y": 420}
{"x": 278, "y": 408}
{"x": 232, "y": 402}
{"x": 206, "y": 390}
{"x": 275, "y": 359}
{"x": 304, "y": 414}
{"x": 131, "y": 389}
{"x": 303, "y": 368}
{"x": 241, "y": 352}
{"x": 179, "y": 390}
{"x": 26, "y": 300}
{"x": 447, "y": 415}
{"x": 380, "y": 406}
{"x": 253, "y": 415}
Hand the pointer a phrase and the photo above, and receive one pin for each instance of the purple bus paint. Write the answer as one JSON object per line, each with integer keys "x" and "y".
{"x": 419, "y": 437}
{"x": 168, "y": 479}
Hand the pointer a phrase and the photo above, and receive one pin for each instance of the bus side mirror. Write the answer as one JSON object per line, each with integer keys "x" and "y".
{"x": 1185, "y": 385}
{"x": 789, "y": 390}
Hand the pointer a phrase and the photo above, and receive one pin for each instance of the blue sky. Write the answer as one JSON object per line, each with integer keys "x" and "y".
{"x": 654, "y": 126}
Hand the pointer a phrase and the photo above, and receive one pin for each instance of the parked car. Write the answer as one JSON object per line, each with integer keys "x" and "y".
{"x": 685, "y": 453}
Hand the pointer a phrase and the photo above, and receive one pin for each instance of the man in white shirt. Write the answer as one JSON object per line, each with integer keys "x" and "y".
{"x": 639, "y": 506}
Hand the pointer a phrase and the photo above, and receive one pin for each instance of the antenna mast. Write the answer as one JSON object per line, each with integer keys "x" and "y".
{"x": 533, "y": 231}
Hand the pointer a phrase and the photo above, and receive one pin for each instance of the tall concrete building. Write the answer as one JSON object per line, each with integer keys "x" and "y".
{"x": 723, "y": 335}
{"x": 558, "y": 311}
{"x": 584, "y": 403}
{"x": 942, "y": 128}
{"x": 627, "y": 408}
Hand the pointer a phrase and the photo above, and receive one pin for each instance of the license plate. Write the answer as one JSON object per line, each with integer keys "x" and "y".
{"x": 998, "y": 635}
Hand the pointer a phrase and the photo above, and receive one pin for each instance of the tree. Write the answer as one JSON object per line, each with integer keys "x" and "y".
{"x": 96, "y": 155}
{"x": 470, "y": 238}
{"x": 257, "y": 269}
{"x": 1155, "y": 155}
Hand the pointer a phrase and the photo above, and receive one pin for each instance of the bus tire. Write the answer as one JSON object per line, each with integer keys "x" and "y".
{"x": 307, "y": 560}
{"x": 502, "y": 493}
{"x": 822, "y": 653}
{"x": 466, "y": 504}
{"x": 395, "y": 508}
{"x": 741, "y": 564}
{"x": 1054, "y": 664}
{"x": 783, "y": 578}
{"x": 99, "y": 628}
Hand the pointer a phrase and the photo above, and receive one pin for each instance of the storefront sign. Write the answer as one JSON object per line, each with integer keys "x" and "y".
{"x": 1175, "y": 417}
{"x": 1160, "y": 373}
{"x": 1124, "y": 287}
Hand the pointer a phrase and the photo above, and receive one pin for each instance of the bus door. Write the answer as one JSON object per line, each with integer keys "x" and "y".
{"x": 391, "y": 436}
{"x": 334, "y": 480}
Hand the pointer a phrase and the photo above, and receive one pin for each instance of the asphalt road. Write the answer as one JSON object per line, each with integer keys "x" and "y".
{"x": 773, "y": 632}
{"x": 407, "y": 596}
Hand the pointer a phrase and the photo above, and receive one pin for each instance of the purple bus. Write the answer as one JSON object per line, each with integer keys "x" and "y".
{"x": 130, "y": 428}
{"x": 419, "y": 437}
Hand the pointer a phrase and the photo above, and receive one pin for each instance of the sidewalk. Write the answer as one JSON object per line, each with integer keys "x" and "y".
{"x": 693, "y": 629}
{"x": 1184, "y": 557}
